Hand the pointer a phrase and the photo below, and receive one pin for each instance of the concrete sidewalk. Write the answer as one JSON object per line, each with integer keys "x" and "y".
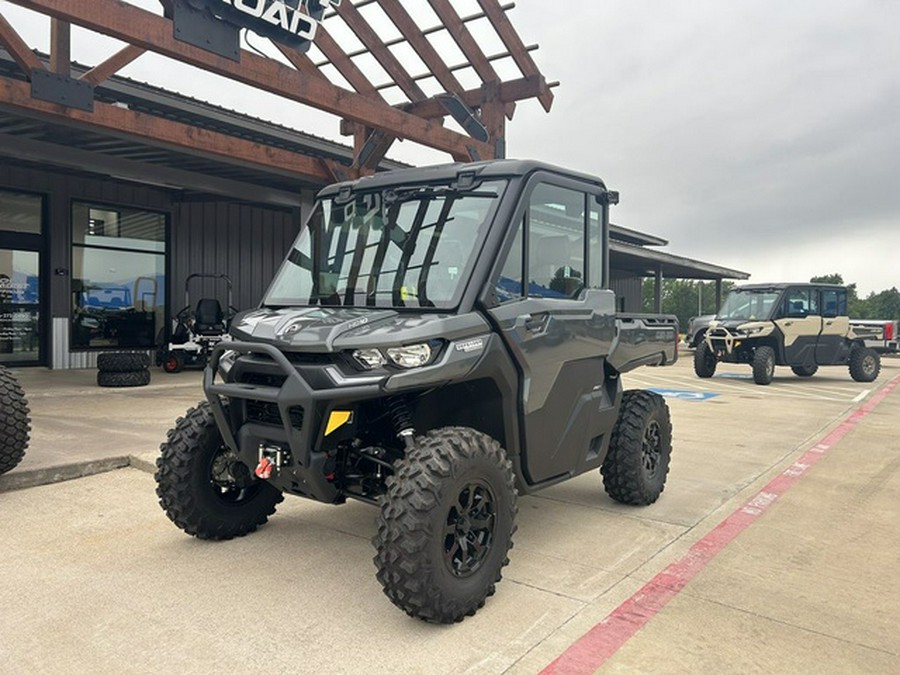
{"x": 96, "y": 579}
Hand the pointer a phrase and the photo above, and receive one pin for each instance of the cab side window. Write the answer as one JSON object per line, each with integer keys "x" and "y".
{"x": 556, "y": 222}
{"x": 834, "y": 303}
{"x": 800, "y": 302}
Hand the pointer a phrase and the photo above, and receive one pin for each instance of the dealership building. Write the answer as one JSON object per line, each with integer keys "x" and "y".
{"x": 114, "y": 192}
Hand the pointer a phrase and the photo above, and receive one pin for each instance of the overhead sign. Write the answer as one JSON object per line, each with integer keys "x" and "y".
{"x": 214, "y": 24}
{"x": 685, "y": 395}
{"x": 284, "y": 20}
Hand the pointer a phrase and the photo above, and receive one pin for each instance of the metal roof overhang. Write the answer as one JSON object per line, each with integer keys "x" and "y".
{"x": 29, "y": 139}
{"x": 646, "y": 263}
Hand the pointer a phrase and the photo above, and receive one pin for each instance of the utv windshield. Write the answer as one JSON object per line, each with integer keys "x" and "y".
{"x": 748, "y": 305}
{"x": 410, "y": 246}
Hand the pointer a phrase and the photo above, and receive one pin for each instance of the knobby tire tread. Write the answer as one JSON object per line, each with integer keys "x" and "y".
{"x": 181, "y": 458}
{"x": 410, "y": 512}
{"x": 15, "y": 423}
{"x": 622, "y": 470}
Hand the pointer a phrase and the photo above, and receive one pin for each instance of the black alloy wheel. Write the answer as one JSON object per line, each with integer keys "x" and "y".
{"x": 651, "y": 448}
{"x": 469, "y": 533}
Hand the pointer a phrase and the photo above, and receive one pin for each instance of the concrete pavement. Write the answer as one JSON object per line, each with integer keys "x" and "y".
{"x": 96, "y": 579}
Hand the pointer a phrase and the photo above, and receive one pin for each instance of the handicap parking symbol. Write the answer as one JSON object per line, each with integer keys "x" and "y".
{"x": 685, "y": 395}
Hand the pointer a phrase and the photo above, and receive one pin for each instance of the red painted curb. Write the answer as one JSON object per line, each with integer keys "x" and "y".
{"x": 602, "y": 641}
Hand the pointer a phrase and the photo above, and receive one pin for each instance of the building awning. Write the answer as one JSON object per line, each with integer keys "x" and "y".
{"x": 645, "y": 262}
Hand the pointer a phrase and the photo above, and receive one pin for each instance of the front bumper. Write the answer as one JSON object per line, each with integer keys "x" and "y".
{"x": 279, "y": 408}
{"x": 277, "y": 403}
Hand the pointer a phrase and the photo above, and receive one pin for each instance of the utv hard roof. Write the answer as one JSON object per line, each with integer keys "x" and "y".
{"x": 781, "y": 285}
{"x": 445, "y": 173}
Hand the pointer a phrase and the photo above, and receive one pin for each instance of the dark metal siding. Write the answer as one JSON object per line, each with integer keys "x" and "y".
{"x": 246, "y": 243}
{"x": 628, "y": 292}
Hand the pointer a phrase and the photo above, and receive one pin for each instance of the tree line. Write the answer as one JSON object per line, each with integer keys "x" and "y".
{"x": 686, "y": 298}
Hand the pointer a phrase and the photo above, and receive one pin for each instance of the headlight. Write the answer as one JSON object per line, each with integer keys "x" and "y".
{"x": 410, "y": 356}
{"x": 369, "y": 358}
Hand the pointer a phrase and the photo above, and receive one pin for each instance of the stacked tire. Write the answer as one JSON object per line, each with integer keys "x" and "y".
{"x": 14, "y": 421}
{"x": 123, "y": 369}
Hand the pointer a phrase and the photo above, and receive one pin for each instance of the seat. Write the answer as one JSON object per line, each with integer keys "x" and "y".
{"x": 552, "y": 266}
{"x": 209, "y": 318}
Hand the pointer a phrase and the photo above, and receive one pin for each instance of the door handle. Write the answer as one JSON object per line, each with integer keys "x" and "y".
{"x": 533, "y": 323}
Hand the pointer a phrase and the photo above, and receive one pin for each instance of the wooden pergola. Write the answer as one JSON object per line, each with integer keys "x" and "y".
{"x": 318, "y": 78}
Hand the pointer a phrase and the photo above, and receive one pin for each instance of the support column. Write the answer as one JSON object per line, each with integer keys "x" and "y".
{"x": 657, "y": 290}
{"x": 718, "y": 295}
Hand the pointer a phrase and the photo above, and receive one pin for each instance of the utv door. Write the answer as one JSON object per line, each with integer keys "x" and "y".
{"x": 559, "y": 325}
{"x": 835, "y": 326}
{"x": 799, "y": 320}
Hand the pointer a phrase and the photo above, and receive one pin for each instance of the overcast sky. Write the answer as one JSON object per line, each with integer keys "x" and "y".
{"x": 760, "y": 135}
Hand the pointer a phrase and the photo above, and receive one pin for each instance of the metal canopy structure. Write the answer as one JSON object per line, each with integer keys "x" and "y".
{"x": 372, "y": 63}
{"x": 643, "y": 262}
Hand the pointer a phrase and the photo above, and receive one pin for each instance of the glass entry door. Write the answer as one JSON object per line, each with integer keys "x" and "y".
{"x": 20, "y": 316}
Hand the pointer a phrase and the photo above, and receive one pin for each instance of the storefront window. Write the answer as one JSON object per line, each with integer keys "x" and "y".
{"x": 118, "y": 276}
{"x": 20, "y": 212}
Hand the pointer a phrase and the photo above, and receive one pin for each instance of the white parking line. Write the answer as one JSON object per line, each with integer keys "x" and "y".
{"x": 862, "y": 395}
{"x": 788, "y": 389}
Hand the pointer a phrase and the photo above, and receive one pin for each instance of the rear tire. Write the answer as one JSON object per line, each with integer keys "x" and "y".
{"x": 763, "y": 365}
{"x": 865, "y": 364}
{"x": 704, "y": 361}
{"x": 805, "y": 371}
{"x": 14, "y": 421}
{"x": 446, "y": 525}
{"x": 635, "y": 469}
{"x": 203, "y": 488}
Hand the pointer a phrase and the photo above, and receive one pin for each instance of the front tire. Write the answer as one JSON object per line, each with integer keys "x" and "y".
{"x": 203, "y": 488}
{"x": 446, "y": 525}
{"x": 763, "y": 365}
{"x": 865, "y": 364}
{"x": 704, "y": 361}
{"x": 173, "y": 362}
{"x": 14, "y": 421}
{"x": 805, "y": 371}
{"x": 635, "y": 469}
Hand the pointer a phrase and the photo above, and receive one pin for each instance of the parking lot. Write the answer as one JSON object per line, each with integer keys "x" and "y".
{"x": 773, "y": 549}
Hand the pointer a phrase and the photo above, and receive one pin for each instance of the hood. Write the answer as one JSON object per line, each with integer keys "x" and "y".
{"x": 328, "y": 329}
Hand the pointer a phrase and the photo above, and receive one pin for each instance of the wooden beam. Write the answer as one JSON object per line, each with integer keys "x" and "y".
{"x": 420, "y": 44}
{"x": 382, "y": 54}
{"x": 102, "y": 71}
{"x": 514, "y": 44}
{"x": 300, "y": 61}
{"x": 26, "y": 59}
{"x": 344, "y": 64}
{"x": 470, "y": 49}
{"x": 145, "y": 29}
{"x": 61, "y": 47}
{"x": 506, "y": 92}
{"x": 171, "y": 134}
{"x": 27, "y": 149}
